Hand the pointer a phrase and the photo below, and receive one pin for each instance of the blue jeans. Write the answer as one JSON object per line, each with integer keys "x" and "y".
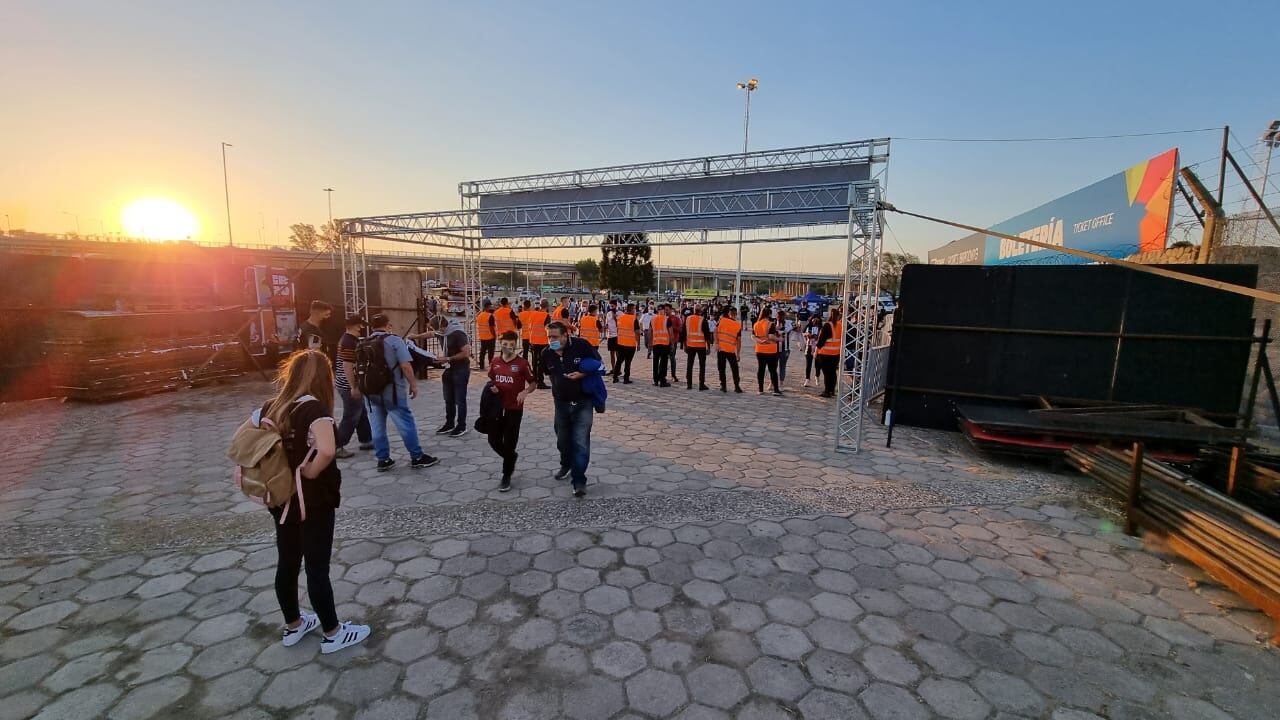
{"x": 783, "y": 356}
{"x": 455, "y": 395}
{"x": 379, "y": 407}
{"x": 573, "y": 438}
{"x": 354, "y": 419}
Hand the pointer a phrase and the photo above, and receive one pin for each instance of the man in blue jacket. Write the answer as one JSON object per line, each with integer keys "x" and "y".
{"x": 563, "y": 360}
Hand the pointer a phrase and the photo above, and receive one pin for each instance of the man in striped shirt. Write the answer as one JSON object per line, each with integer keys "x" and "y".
{"x": 354, "y": 417}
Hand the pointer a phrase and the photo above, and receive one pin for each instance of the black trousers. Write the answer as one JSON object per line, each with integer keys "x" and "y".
{"x": 623, "y": 365}
{"x": 675, "y": 355}
{"x": 524, "y": 349}
{"x": 310, "y": 540}
{"x": 504, "y": 437}
{"x": 538, "y": 371}
{"x": 732, "y": 360}
{"x": 661, "y": 357}
{"x": 767, "y": 361}
{"x": 808, "y": 364}
{"x": 827, "y": 367}
{"x": 613, "y": 352}
{"x": 701, "y": 355}
{"x": 486, "y": 350}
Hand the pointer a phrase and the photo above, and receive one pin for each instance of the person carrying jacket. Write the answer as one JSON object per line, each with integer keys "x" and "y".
{"x": 511, "y": 379}
{"x": 574, "y": 408}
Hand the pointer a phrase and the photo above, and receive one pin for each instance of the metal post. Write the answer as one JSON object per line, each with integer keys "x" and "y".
{"x": 1135, "y": 492}
{"x": 226, "y": 191}
{"x": 1222, "y": 162}
{"x": 747, "y": 89}
{"x": 333, "y": 251}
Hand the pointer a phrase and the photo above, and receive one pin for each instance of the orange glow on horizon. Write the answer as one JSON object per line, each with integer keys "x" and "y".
{"x": 157, "y": 218}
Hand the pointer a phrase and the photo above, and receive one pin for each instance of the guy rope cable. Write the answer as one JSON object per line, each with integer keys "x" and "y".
{"x": 1094, "y": 257}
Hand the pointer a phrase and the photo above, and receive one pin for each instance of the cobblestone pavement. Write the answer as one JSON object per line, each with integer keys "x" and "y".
{"x": 725, "y": 565}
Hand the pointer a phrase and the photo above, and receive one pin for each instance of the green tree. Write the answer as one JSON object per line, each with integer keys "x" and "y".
{"x": 626, "y": 264}
{"x": 588, "y": 272}
{"x": 891, "y": 265}
{"x": 303, "y": 236}
{"x": 330, "y": 237}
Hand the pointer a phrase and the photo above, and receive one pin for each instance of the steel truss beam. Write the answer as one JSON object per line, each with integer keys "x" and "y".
{"x": 862, "y": 282}
{"x": 845, "y": 153}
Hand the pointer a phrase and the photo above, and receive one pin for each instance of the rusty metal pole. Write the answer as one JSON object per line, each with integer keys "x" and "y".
{"x": 1213, "y": 215}
{"x": 1222, "y": 162}
{"x": 1135, "y": 492}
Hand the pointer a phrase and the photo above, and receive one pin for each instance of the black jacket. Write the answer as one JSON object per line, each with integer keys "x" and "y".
{"x": 490, "y": 409}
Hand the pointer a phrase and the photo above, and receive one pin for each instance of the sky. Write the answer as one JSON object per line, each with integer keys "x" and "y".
{"x": 392, "y": 104}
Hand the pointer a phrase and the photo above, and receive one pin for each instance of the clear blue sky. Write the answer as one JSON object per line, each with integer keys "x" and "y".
{"x": 393, "y": 103}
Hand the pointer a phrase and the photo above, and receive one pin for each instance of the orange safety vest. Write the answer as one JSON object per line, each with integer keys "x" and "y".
{"x": 761, "y": 331}
{"x": 627, "y": 330}
{"x": 589, "y": 329}
{"x": 694, "y": 338}
{"x": 483, "y": 330}
{"x": 661, "y": 335}
{"x": 538, "y": 327}
{"x": 832, "y": 345}
{"x": 526, "y": 325}
{"x": 727, "y": 335}
{"x": 504, "y": 319}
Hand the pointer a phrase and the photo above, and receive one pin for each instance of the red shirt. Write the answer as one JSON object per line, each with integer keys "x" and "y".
{"x": 510, "y": 378}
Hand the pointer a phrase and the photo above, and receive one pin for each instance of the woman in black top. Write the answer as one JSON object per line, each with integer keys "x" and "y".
{"x": 303, "y": 410}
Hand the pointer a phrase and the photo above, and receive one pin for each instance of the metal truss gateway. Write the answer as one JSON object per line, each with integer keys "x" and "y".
{"x": 861, "y": 302}
{"x": 772, "y": 214}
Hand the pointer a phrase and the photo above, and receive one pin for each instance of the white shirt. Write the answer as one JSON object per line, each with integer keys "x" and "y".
{"x": 611, "y": 321}
{"x": 646, "y": 320}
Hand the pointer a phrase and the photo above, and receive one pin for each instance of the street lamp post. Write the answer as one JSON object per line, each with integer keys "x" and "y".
{"x": 226, "y": 191}
{"x": 77, "y": 218}
{"x": 333, "y": 250}
{"x": 747, "y": 88}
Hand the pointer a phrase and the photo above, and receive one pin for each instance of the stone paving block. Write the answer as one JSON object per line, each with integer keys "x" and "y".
{"x": 151, "y": 700}
{"x": 86, "y": 702}
{"x": 780, "y": 679}
{"x": 888, "y": 702}
{"x": 953, "y": 699}
{"x": 619, "y": 659}
{"x": 889, "y": 665}
{"x": 670, "y": 655}
{"x": 593, "y": 697}
{"x": 655, "y": 692}
{"x": 362, "y": 685}
{"x": 430, "y": 677}
{"x": 716, "y": 685}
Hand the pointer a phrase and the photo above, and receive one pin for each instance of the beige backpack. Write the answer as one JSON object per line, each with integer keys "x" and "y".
{"x": 262, "y": 469}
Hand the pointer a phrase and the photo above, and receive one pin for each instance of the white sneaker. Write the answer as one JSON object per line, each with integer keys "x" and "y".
{"x": 291, "y": 637}
{"x": 348, "y": 634}
{"x": 806, "y": 383}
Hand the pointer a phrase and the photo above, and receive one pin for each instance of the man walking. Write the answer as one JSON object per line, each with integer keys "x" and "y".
{"x": 765, "y": 334}
{"x": 354, "y": 418}
{"x": 512, "y": 379}
{"x": 786, "y": 326}
{"x": 486, "y": 332}
{"x": 628, "y": 340}
{"x": 828, "y": 354}
{"x": 611, "y": 329}
{"x": 697, "y": 339}
{"x": 526, "y": 327}
{"x": 728, "y": 343}
{"x": 394, "y": 399}
{"x": 573, "y": 407}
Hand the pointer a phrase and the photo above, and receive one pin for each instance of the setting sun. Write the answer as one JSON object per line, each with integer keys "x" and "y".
{"x": 158, "y": 219}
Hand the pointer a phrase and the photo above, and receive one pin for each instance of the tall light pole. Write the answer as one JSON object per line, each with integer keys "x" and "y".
{"x": 747, "y": 88}
{"x": 1270, "y": 141}
{"x": 226, "y": 191}
{"x": 77, "y": 217}
{"x": 8, "y": 222}
{"x": 333, "y": 250}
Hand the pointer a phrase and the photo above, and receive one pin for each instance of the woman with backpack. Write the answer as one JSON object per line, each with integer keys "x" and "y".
{"x": 302, "y": 412}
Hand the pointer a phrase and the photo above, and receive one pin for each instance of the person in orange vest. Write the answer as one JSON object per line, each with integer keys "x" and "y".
{"x": 728, "y": 343}
{"x": 697, "y": 338}
{"x": 561, "y": 314}
{"x": 827, "y": 357}
{"x": 486, "y": 331}
{"x": 629, "y": 334}
{"x": 504, "y": 318}
{"x": 765, "y": 334}
{"x": 526, "y": 327}
{"x": 590, "y": 328}
{"x": 538, "y": 321}
{"x": 660, "y": 332}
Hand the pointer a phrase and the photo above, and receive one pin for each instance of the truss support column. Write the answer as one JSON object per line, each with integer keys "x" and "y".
{"x": 859, "y": 302}
{"x": 355, "y": 294}
{"x": 472, "y": 270}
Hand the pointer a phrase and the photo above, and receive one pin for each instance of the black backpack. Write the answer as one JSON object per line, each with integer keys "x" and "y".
{"x": 372, "y": 373}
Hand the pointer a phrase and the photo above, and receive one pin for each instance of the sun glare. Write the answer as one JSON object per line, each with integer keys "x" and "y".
{"x": 158, "y": 219}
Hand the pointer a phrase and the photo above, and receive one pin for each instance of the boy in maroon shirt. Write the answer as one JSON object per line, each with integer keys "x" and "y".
{"x": 513, "y": 380}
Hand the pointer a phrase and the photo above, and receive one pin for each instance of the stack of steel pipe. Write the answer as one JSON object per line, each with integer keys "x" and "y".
{"x": 1231, "y": 542}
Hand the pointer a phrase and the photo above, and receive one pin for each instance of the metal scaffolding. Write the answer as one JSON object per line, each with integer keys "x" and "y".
{"x": 781, "y": 210}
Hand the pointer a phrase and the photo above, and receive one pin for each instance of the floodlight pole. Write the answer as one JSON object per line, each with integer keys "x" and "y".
{"x": 746, "y": 88}
{"x": 333, "y": 250}
{"x": 226, "y": 191}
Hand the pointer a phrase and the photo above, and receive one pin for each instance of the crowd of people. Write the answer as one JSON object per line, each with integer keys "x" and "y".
{"x": 373, "y": 374}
